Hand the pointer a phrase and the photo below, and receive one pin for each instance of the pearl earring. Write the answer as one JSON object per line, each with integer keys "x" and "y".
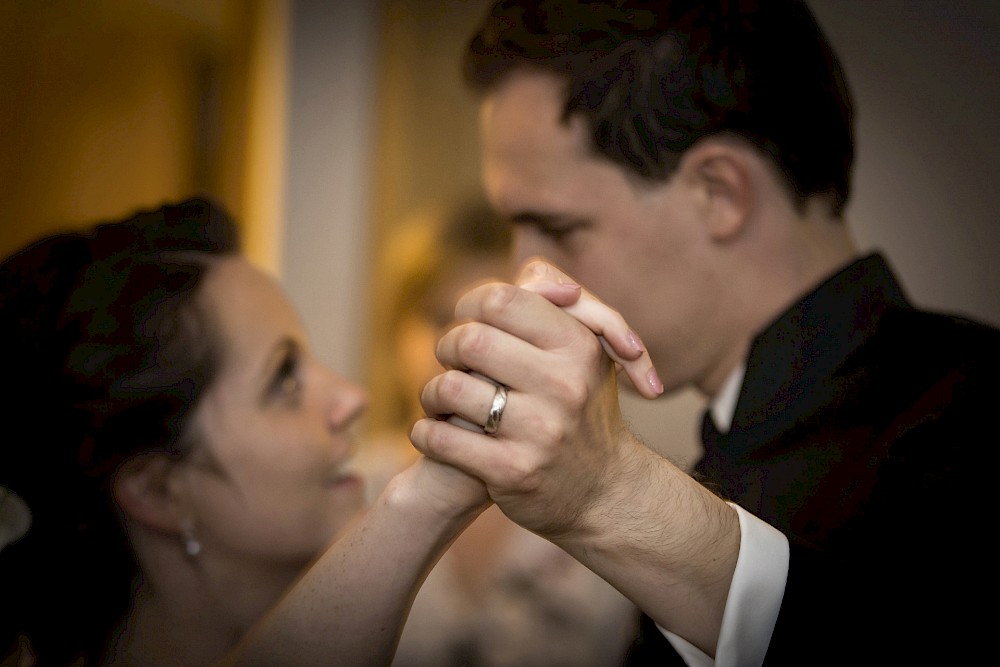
{"x": 191, "y": 544}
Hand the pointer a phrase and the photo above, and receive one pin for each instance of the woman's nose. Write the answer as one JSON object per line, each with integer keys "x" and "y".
{"x": 347, "y": 402}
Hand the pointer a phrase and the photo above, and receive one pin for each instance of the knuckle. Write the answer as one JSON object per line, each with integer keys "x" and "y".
{"x": 524, "y": 475}
{"x": 498, "y": 300}
{"x": 417, "y": 433}
{"x": 585, "y": 346}
{"x": 444, "y": 350}
{"x": 430, "y": 439}
{"x": 474, "y": 342}
{"x": 427, "y": 396}
{"x": 434, "y": 441}
{"x": 450, "y": 386}
{"x": 548, "y": 434}
{"x": 441, "y": 349}
{"x": 593, "y": 346}
{"x": 547, "y": 431}
{"x": 574, "y": 394}
{"x": 533, "y": 268}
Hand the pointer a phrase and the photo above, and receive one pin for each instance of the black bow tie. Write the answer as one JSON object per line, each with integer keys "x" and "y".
{"x": 710, "y": 434}
{"x": 714, "y": 465}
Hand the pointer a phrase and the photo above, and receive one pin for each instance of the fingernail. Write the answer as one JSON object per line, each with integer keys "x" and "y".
{"x": 633, "y": 340}
{"x": 568, "y": 288}
{"x": 654, "y": 381}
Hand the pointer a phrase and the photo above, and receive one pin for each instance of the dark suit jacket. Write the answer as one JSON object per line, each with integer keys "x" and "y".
{"x": 864, "y": 432}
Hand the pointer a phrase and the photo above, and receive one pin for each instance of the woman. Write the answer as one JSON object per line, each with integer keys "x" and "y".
{"x": 184, "y": 458}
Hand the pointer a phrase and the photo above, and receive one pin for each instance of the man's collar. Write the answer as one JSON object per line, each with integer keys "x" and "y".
{"x": 812, "y": 338}
{"x": 723, "y": 405}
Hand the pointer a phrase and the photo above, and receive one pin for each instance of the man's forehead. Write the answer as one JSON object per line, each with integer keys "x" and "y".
{"x": 532, "y": 85}
{"x": 526, "y": 108}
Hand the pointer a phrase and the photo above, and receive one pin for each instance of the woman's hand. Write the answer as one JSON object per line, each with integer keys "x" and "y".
{"x": 446, "y": 491}
{"x": 619, "y": 341}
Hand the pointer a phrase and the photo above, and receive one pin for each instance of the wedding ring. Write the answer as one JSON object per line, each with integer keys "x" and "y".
{"x": 496, "y": 410}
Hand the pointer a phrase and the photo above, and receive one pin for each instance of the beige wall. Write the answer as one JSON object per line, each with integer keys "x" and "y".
{"x": 426, "y": 143}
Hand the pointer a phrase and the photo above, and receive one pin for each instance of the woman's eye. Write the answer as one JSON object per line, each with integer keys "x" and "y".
{"x": 287, "y": 382}
{"x": 290, "y": 385}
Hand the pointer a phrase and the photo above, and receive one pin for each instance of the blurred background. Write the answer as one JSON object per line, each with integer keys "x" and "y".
{"x": 324, "y": 125}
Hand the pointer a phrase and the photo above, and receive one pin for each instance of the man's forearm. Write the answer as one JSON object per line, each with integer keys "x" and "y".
{"x": 666, "y": 543}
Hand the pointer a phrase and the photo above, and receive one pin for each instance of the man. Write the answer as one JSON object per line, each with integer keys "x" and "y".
{"x": 688, "y": 163}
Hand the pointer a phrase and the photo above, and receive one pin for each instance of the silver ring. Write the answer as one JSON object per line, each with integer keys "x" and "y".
{"x": 496, "y": 410}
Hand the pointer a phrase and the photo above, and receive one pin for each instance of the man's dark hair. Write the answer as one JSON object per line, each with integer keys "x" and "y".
{"x": 652, "y": 78}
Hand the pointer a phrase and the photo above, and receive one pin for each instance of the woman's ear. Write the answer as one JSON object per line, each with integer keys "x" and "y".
{"x": 142, "y": 490}
{"x": 722, "y": 173}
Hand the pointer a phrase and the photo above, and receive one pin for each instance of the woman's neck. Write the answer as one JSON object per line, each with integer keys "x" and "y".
{"x": 157, "y": 632}
{"x": 192, "y": 611}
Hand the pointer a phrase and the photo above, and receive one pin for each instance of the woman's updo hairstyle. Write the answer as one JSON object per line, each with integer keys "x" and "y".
{"x": 105, "y": 353}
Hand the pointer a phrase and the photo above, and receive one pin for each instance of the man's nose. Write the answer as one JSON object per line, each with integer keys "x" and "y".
{"x": 526, "y": 243}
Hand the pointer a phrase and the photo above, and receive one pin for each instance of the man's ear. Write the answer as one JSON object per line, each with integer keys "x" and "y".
{"x": 724, "y": 177}
{"x": 143, "y": 491}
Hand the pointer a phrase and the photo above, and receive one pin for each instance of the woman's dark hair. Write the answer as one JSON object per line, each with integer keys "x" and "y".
{"x": 105, "y": 353}
{"x": 652, "y": 78}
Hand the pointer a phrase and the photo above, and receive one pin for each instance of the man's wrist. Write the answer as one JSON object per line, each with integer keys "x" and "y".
{"x": 666, "y": 543}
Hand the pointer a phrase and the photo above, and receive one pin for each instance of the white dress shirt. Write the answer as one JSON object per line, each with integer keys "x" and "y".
{"x": 758, "y": 581}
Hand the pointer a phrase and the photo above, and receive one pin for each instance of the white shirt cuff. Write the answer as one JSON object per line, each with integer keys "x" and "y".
{"x": 753, "y": 602}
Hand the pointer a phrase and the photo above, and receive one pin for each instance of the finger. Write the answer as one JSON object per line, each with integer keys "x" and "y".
{"x": 541, "y": 277}
{"x": 520, "y": 364}
{"x": 462, "y": 399}
{"x": 615, "y": 335}
{"x": 443, "y": 442}
{"x": 522, "y": 314}
{"x": 540, "y": 269}
{"x": 589, "y": 310}
{"x": 498, "y": 463}
{"x": 464, "y": 423}
{"x": 447, "y": 486}
{"x": 619, "y": 341}
{"x": 559, "y": 294}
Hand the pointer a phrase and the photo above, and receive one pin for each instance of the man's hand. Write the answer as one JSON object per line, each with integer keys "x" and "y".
{"x": 619, "y": 341}
{"x": 562, "y": 463}
{"x": 562, "y": 432}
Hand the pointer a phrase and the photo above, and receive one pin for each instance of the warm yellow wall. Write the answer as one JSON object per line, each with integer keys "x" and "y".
{"x": 426, "y": 141}
{"x": 111, "y": 105}
{"x": 426, "y": 144}
{"x": 259, "y": 183}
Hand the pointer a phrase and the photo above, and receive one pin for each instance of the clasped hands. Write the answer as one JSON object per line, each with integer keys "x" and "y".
{"x": 562, "y": 435}
{"x": 563, "y": 462}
